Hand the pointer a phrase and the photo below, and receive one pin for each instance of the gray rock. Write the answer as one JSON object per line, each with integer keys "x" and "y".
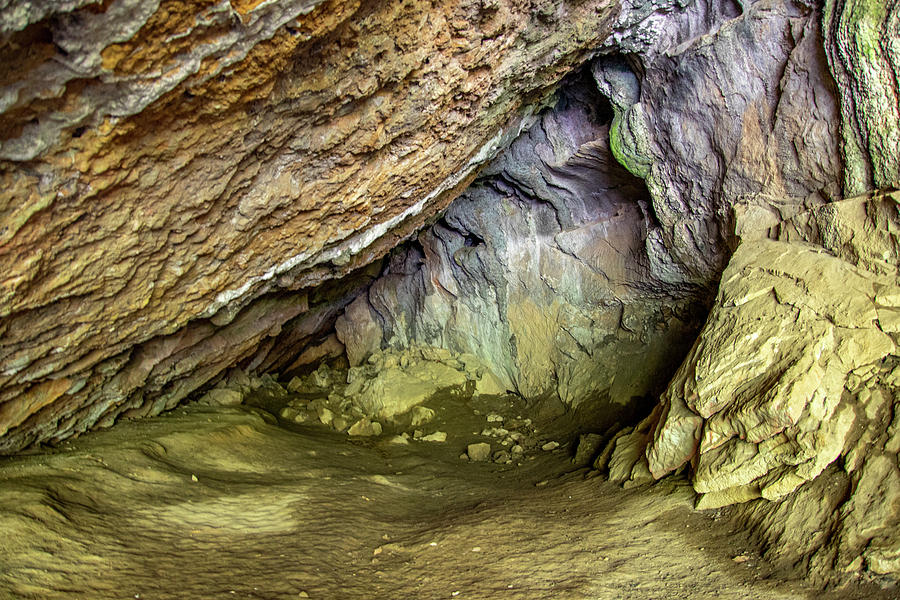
{"x": 358, "y": 331}
{"x": 479, "y": 452}
{"x": 365, "y": 428}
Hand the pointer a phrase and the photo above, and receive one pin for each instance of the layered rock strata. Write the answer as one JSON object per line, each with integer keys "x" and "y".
{"x": 540, "y": 270}
{"x": 164, "y": 164}
{"x": 179, "y": 181}
{"x": 795, "y": 371}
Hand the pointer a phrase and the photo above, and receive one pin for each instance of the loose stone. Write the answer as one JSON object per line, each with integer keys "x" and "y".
{"x": 479, "y": 452}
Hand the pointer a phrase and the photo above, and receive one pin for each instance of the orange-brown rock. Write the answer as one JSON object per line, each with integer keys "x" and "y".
{"x": 165, "y": 164}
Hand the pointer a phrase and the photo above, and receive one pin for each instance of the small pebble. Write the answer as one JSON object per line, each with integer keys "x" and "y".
{"x": 437, "y": 436}
{"x": 501, "y": 456}
{"x": 550, "y": 446}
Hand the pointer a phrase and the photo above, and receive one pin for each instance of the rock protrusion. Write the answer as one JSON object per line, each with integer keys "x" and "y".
{"x": 794, "y": 372}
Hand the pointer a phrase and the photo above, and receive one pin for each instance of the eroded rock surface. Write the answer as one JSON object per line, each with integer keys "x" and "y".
{"x": 184, "y": 185}
{"x": 540, "y": 270}
{"x": 570, "y": 276}
{"x": 734, "y": 103}
{"x": 861, "y": 38}
{"x": 795, "y": 370}
{"x": 166, "y": 163}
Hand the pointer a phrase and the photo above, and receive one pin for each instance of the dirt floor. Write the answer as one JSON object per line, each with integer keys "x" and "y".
{"x": 233, "y": 503}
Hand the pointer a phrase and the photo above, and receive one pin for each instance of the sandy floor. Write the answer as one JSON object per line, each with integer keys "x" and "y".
{"x": 225, "y": 503}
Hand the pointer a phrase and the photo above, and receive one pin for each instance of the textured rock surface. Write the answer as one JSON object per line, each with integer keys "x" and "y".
{"x": 171, "y": 171}
{"x": 166, "y": 163}
{"x": 565, "y": 274}
{"x": 795, "y": 369}
{"x": 540, "y": 270}
{"x": 184, "y": 183}
{"x": 863, "y": 42}
{"x": 731, "y": 104}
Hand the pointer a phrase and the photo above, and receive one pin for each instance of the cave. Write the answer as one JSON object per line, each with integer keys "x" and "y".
{"x": 450, "y": 298}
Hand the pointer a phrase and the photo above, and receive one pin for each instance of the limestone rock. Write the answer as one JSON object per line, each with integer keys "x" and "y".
{"x": 365, "y": 428}
{"x": 420, "y": 415}
{"x": 764, "y": 381}
{"x": 174, "y": 174}
{"x": 358, "y": 331}
{"x": 330, "y": 347}
{"x": 536, "y": 280}
{"x": 791, "y": 389}
{"x": 589, "y": 444}
{"x": 479, "y": 452}
{"x": 732, "y": 101}
{"x": 395, "y": 391}
{"x": 222, "y": 397}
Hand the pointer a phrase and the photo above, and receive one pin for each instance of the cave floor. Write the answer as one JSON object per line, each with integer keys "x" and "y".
{"x": 229, "y": 503}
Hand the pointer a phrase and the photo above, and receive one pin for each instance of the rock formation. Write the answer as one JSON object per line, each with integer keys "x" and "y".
{"x": 540, "y": 270}
{"x": 164, "y": 164}
{"x": 191, "y": 187}
{"x": 795, "y": 369}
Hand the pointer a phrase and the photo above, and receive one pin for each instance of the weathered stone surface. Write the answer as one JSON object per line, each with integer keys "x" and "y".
{"x": 539, "y": 275}
{"x": 166, "y": 163}
{"x": 862, "y": 38}
{"x": 764, "y": 380}
{"x": 589, "y": 444}
{"x": 358, "y": 331}
{"x": 364, "y": 428}
{"x": 792, "y": 373}
{"x": 479, "y": 452}
{"x": 179, "y": 181}
{"x": 222, "y": 397}
{"x": 395, "y": 391}
{"x": 390, "y": 387}
{"x": 733, "y": 101}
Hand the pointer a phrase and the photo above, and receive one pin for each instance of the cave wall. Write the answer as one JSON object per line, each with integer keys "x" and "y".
{"x": 786, "y": 407}
{"x": 745, "y": 109}
{"x": 192, "y": 186}
{"x": 166, "y": 163}
{"x": 571, "y": 276}
{"x": 747, "y": 134}
{"x": 540, "y": 270}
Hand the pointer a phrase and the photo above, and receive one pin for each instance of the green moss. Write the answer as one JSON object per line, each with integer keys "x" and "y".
{"x": 864, "y": 62}
{"x": 629, "y": 146}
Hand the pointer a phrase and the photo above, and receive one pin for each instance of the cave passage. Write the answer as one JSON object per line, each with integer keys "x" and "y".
{"x": 240, "y": 502}
{"x": 435, "y": 425}
{"x": 480, "y": 299}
